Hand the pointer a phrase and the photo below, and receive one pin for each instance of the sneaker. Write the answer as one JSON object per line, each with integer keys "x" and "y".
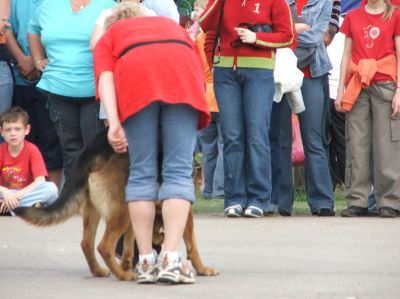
{"x": 147, "y": 272}
{"x": 284, "y": 213}
{"x": 233, "y": 211}
{"x": 354, "y": 211}
{"x": 325, "y": 213}
{"x": 253, "y": 212}
{"x": 175, "y": 272}
{"x": 387, "y": 212}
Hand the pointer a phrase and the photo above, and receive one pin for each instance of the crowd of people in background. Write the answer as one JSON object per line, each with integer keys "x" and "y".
{"x": 57, "y": 59}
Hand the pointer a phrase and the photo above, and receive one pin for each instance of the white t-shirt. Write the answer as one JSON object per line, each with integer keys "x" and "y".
{"x": 335, "y": 52}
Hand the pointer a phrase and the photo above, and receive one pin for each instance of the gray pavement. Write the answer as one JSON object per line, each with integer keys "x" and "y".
{"x": 296, "y": 257}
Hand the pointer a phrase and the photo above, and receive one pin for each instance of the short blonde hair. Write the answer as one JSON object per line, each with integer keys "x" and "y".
{"x": 125, "y": 10}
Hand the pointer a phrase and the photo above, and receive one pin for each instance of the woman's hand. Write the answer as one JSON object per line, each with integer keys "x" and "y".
{"x": 338, "y": 102}
{"x": 301, "y": 27}
{"x": 4, "y": 25}
{"x": 246, "y": 36}
{"x": 41, "y": 64}
{"x": 117, "y": 138}
{"x": 396, "y": 104}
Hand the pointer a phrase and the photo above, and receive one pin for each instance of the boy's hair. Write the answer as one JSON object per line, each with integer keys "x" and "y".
{"x": 200, "y": 3}
{"x": 125, "y": 10}
{"x": 13, "y": 115}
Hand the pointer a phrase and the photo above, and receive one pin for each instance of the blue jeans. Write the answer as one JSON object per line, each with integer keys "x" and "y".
{"x": 286, "y": 189}
{"x": 244, "y": 98}
{"x": 46, "y": 193}
{"x": 6, "y": 89}
{"x": 178, "y": 125}
{"x": 276, "y": 165}
{"x": 318, "y": 180}
{"x": 213, "y": 166}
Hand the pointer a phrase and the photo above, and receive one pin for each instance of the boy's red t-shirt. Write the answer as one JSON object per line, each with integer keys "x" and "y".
{"x": 372, "y": 37}
{"x": 20, "y": 171}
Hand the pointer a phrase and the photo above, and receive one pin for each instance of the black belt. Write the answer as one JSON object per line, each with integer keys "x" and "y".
{"x": 164, "y": 41}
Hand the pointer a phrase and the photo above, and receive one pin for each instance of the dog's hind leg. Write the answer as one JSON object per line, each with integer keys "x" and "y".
{"x": 114, "y": 229}
{"x": 91, "y": 220}
{"x": 128, "y": 252}
{"x": 192, "y": 249}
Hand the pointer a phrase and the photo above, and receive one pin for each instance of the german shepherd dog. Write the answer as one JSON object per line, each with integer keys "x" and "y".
{"x": 96, "y": 187}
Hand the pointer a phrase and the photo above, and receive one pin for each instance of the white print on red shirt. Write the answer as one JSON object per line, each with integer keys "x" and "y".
{"x": 257, "y": 9}
{"x": 371, "y": 33}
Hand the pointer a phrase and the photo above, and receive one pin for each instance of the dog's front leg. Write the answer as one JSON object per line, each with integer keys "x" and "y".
{"x": 192, "y": 249}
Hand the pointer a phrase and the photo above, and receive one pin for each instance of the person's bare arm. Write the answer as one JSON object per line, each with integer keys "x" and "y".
{"x": 396, "y": 98}
{"x": 346, "y": 56}
{"x": 4, "y": 13}
{"x": 116, "y": 133}
{"x": 24, "y": 63}
{"x": 37, "y": 51}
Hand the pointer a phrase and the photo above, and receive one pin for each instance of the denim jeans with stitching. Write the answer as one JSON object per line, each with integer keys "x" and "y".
{"x": 244, "y": 98}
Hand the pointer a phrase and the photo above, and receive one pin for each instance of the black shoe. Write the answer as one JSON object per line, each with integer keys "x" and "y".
{"x": 284, "y": 213}
{"x": 387, "y": 212}
{"x": 354, "y": 211}
{"x": 325, "y": 212}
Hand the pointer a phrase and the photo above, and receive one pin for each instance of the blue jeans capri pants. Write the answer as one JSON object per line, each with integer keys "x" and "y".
{"x": 177, "y": 125}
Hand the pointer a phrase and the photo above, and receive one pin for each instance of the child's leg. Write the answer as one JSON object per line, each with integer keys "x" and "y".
{"x": 386, "y": 147}
{"x": 178, "y": 125}
{"x": 46, "y": 193}
{"x": 358, "y": 151}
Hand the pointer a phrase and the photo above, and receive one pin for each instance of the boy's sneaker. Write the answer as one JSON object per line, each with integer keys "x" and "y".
{"x": 253, "y": 212}
{"x": 174, "y": 272}
{"x": 147, "y": 272}
{"x": 234, "y": 211}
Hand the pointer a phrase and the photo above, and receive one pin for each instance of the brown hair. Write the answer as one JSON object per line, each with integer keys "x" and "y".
{"x": 125, "y": 10}
{"x": 13, "y": 115}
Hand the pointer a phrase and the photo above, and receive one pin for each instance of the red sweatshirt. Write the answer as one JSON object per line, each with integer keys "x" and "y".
{"x": 260, "y": 55}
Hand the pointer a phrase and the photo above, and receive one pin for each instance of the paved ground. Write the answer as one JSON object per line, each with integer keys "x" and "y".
{"x": 298, "y": 257}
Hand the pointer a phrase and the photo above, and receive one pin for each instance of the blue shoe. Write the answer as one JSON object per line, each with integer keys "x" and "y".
{"x": 253, "y": 212}
{"x": 234, "y": 211}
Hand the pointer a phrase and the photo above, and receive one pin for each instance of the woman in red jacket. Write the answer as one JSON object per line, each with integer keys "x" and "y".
{"x": 250, "y": 31}
{"x": 151, "y": 83}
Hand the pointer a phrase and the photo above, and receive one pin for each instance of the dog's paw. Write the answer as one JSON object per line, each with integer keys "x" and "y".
{"x": 101, "y": 272}
{"x": 126, "y": 264}
{"x": 128, "y": 276}
{"x": 207, "y": 271}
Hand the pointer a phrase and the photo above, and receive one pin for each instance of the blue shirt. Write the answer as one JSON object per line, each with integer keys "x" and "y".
{"x": 166, "y": 8}
{"x": 65, "y": 36}
{"x": 21, "y": 13}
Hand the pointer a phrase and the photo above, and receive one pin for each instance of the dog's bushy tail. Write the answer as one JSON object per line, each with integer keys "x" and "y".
{"x": 74, "y": 192}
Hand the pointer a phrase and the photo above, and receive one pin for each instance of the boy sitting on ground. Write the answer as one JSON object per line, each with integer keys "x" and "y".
{"x": 22, "y": 169}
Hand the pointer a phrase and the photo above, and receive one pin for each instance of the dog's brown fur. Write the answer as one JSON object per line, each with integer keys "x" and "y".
{"x": 96, "y": 187}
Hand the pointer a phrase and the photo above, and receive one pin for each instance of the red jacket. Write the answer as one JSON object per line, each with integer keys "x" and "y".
{"x": 275, "y": 13}
{"x": 153, "y": 59}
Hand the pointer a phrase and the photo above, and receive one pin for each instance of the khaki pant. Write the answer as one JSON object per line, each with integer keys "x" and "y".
{"x": 369, "y": 127}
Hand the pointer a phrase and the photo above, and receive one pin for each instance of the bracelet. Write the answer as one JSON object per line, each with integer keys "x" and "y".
{"x": 37, "y": 61}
